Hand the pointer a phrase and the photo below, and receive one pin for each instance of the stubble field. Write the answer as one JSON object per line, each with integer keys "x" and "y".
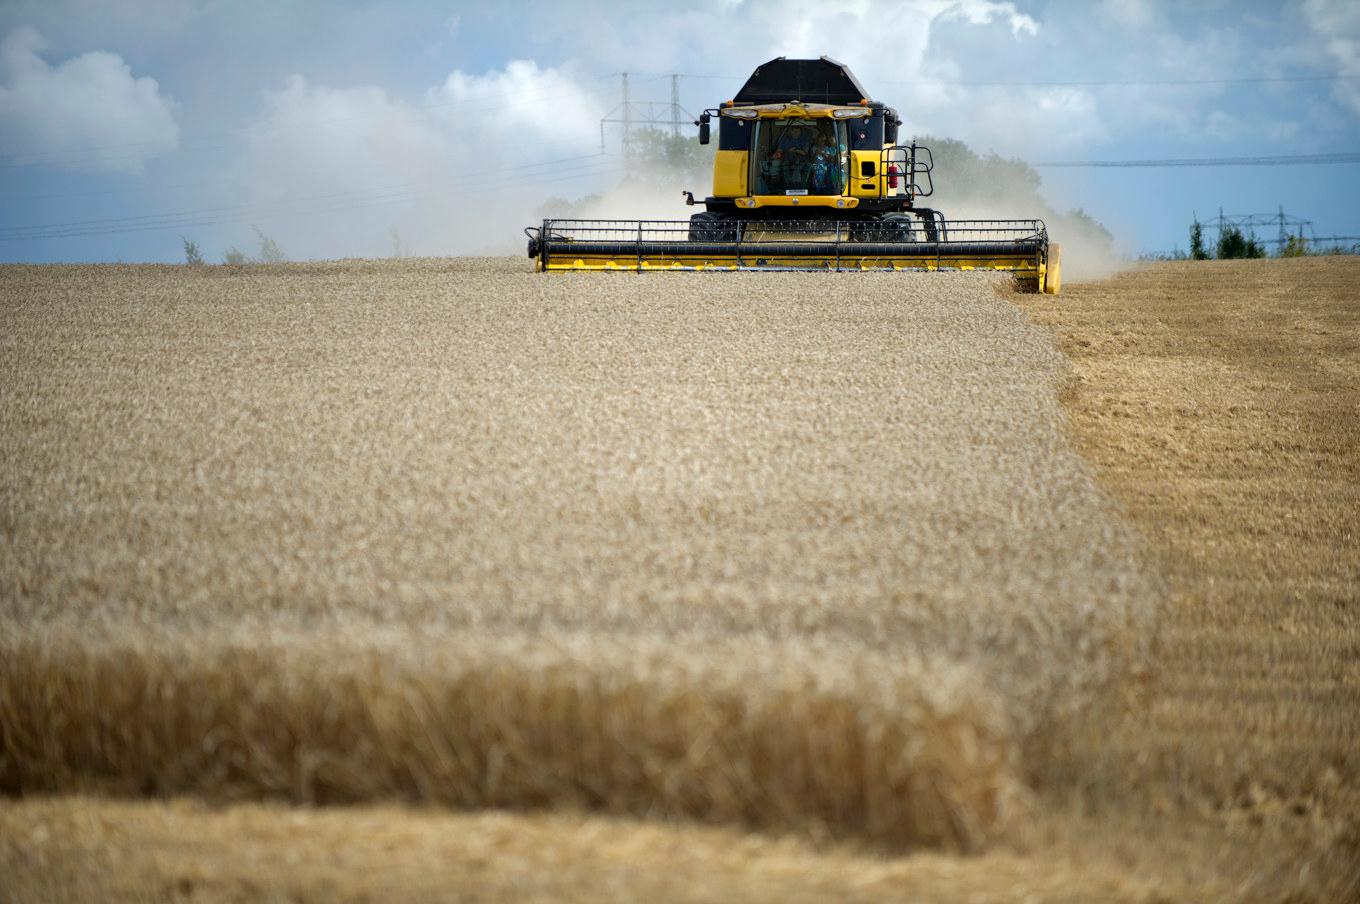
{"x": 743, "y": 552}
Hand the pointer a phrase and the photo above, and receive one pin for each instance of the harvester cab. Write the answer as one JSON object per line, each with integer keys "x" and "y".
{"x": 802, "y": 140}
{"x": 808, "y": 174}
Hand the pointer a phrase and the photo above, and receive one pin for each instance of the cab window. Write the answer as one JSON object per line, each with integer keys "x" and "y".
{"x": 799, "y": 157}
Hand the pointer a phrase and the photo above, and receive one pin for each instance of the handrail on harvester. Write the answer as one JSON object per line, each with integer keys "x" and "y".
{"x": 566, "y": 234}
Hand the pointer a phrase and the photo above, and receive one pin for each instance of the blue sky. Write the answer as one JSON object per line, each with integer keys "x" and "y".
{"x": 335, "y": 127}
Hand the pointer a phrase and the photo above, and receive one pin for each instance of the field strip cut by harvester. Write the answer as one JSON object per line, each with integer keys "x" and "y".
{"x": 808, "y": 175}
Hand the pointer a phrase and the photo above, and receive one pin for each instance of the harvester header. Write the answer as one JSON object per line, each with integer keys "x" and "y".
{"x": 808, "y": 175}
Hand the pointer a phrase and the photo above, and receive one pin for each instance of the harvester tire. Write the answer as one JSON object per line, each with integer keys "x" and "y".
{"x": 900, "y": 226}
{"x": 713, "y": 227}
{"x": 891, "y": 227}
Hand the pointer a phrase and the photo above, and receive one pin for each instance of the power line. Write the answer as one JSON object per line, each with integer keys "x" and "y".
{"x": 1312, "y": 239}
{"x": 254, "y": 215}
{"x": 115, "y": 152}
{"x": 1132, "y": 83}
{"x": 1078, "y": 83}
{"x": 630, "y": 113}
{"x": 1276, "y": 160}
{"x": 196, "y": 184}
{"x": 276, "y": 210}
{"x": 110, "y": 154}
{"x": 402, "y": 186}
{"x": 531, "y": 174}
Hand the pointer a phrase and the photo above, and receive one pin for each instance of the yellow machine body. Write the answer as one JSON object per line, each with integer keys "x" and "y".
{"x": 730, "y": 171}
{"x": 799, "y": 185}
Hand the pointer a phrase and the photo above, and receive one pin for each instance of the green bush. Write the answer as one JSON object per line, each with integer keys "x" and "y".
{"x": 270, "y": 253}
{"x": 1234, "y": 245}
{"x": 1294, "y": 246}
{"x": 1197, "y": 251}
{"x": 659, "y": 156}
{"x": 1174, "y": 255}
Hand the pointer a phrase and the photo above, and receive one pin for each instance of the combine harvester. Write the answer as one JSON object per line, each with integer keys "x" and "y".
{"x": 808, "y": 175}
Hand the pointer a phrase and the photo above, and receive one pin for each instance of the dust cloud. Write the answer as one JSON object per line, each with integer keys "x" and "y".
{"x": 967, "y": 186}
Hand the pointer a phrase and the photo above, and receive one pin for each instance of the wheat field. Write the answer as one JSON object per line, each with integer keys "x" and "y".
{"x": 460, "y": 533}
{"x": 810, "y": 555}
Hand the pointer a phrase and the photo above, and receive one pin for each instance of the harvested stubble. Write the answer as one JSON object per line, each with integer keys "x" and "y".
{"x": 790, "y": 550}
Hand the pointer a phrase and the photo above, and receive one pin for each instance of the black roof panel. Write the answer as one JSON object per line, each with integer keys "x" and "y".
{"x": 822, "y": 81}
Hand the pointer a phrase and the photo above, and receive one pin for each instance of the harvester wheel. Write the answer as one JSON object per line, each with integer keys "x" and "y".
{"x": 891, "y": 227}
{"x": 713, "y": 227}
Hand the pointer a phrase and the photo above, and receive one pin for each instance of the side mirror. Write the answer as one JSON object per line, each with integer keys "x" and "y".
{"x": 703, "y": 128}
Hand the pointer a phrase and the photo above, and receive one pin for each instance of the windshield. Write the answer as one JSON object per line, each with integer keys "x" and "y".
{"x": 800, "y": 157}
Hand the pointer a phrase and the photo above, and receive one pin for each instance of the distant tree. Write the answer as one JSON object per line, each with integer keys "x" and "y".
{"x": 962, "y": 174}
{"x": 1197, "y": 251}
{"x": 1089, "y": 224}
{"x": 192, "y": 256}
{"x": 659, "y": 156}
{"x": 558, "y": 208}
{"x": 236, "y": 257}
{"x": 1175, "y": 254}
{"x": 1234, "y": 245}
{"x": 1294, "y": 246}
{"x": 977, "y": 184}
{"x": 270, "y": 253}
{"x": 398, "y": 250}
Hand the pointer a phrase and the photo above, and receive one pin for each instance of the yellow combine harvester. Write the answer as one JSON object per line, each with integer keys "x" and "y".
{"x": 808, "y": 175}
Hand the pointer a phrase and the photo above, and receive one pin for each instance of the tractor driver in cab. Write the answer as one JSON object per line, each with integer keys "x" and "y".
{"x": 794, "y": 151}
{"x": 794, "y": 144}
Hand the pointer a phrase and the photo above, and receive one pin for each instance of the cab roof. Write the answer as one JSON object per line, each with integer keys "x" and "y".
{"x": 822, "y": 80}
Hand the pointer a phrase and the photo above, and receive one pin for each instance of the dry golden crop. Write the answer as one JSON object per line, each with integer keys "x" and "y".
{"x": 750, "y": 550}
{"x": 754, "y": 551}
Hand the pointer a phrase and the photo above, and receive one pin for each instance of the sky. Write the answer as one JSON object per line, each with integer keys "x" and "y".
{"x": 361, "y": 129}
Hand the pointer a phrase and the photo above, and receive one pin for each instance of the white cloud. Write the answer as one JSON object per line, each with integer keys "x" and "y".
{"x": 87, "y": 113}
{"x": 451, "y": 165}
{"x": 446, "y": 165}
{"x": 523, "y": 104}
{"x": 1337, "y": 24}
{"x": 1056, "y": 119}
{"x": 1224, "y": 126}
{"x": 889, "y": 44}
{"x": 316, "y": 139}
{"x": 984, "y": 12}
{"x": 1130, "y": 13}
{"x": 449, "y": 173}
